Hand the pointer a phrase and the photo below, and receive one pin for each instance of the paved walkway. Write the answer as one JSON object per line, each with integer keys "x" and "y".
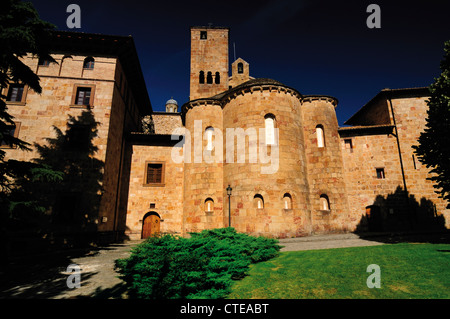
{"x": 325, "y": 242}
{"x": 99, "y": 279}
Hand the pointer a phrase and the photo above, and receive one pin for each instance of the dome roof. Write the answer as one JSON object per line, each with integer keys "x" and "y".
{"x": 171, "y": 101}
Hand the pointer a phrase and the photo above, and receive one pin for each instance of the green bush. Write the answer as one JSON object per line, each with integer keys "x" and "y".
{"x": 203, "y": 266}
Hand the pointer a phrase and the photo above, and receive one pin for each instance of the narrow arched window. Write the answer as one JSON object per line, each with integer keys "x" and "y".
{"x": 217, "y": 78}
{"x": 324, "y": 202}
{"x": 209, "y": 138}
{"x": 258, "y": 201}
{"x": 88, "y": 63}
{"x": 201, "y": 77}
{"x": 209, "y": 205}
{"x": 287, "y": 201}
{"x": 320, "y": 135}
{"x": 269, "y": 120}
{"x": 209, "y": 79}
{"x": 240, "y": 68}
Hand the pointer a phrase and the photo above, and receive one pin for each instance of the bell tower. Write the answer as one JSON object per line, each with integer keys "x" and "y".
{"x": 209, "y": 61}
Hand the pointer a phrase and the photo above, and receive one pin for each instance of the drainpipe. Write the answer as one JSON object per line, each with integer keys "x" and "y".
{"x": 400, "y": 155}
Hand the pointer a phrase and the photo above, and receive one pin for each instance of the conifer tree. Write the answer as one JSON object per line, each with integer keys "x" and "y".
{"x": 434, "y": 142}
{"x": 22, "y": 32}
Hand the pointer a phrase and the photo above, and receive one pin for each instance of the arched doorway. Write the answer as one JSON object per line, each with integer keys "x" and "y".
{"x": 150, "y": 225}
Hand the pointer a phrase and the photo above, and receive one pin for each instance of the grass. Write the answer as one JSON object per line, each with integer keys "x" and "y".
{"x": 418, "y": 271}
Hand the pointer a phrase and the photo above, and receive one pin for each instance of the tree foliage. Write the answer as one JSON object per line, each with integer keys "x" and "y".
{"x": 434, "y": 147}
{"x": 203, "y": 266}
{"x": 22, "y": 32}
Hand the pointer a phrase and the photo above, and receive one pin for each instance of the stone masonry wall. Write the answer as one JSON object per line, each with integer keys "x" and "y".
{"x": 203, "y": 173}
{"x": 168, "y": 198}
{"x": 287, "y": 176}
{"x": 410, "y": 116}
{"x": 324, "y": 166}
{"x": 210, "y": 55}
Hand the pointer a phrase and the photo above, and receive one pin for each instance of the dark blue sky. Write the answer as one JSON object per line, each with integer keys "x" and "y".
{"x": 317, "y": 47}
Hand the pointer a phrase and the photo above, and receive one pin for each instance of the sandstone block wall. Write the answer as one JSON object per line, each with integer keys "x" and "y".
{"x": 247, "y": 111}
{"x": 203, "y": 173}
{"x": 165, "y": 123}
{"x": 209, "y": 55}
{"x": 324, "y": 166}
{"x": 167, "y": 198}
{"x": 40, "y": 113}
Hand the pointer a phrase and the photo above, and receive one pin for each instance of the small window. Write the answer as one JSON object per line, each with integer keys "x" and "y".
{"x": 154, "y": 174}
{"x": 270, "y": 129}
{"x": 203, "y": 35}
{"x": 10, "y": 130}
{"x": 258, "y": 201}
{"x": 15, "y": 93}
{"x": 380, "y": 173}
{"x": 209, "y": 138}
{"x": 320, "y": 136}
{"x": 89, "y": 63}
{"x": 348, "y": 145}
{"x": 217, "y": 78}
{"x": 287, "y": 201}
{"x": 240, "y": 68}
{"x": 209, "y": 79}
{"x": 209, "y": 205}
{"x": 83, "y": 96}
{"x": 324, "y": 202}
{"x": 201, "y": 77}
{"x": 43, "y": 62}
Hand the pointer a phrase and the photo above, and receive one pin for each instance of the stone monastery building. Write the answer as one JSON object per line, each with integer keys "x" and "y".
{"x": 291, "y": 169}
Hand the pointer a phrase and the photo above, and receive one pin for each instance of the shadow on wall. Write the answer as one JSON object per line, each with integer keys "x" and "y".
{"x": 68, "y": 213}
{"x": 400, "y": 212}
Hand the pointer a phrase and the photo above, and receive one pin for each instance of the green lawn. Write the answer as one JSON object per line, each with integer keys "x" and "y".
{"x": 407, "y": 271}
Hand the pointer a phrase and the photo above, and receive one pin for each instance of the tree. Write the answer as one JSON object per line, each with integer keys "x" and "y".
{"x": 22, "y": 32}
{"x": 434, "y": 147}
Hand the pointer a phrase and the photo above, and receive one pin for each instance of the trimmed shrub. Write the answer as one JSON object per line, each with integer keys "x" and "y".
{"x": 203, "y": 266}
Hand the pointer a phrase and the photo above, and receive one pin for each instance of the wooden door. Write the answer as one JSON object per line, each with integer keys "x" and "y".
{"x": 150, "y": 226}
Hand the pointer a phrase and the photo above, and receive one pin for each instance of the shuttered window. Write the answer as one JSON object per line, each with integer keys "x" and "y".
{"x": 154, "y": 173}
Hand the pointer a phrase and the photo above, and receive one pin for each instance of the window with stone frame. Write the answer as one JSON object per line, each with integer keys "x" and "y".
{"x": 10, "y": 130}
{"x": 154, "y": 174}
{"x": 258, "y": 201}
{"x": 287, "y": 201}
{"x": 89, "y": 63}
{"x": 217, "y": 78}
{"x": 83, "y": 95}
{"x": 209, "y": 132}
{"x": 209, "y": 78}
{"x": 269, "y": 120}
{"x": 324, "y": 202}
{"x": 16, "y": 93}
{"x": 240, "y": 68}
{"x": 209, "y": 205}
{"x": 43, "y": 62}
{"x": 348, "y": 144}
{"x": 320, "y": 136}
{"x": 380, "y": 173}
